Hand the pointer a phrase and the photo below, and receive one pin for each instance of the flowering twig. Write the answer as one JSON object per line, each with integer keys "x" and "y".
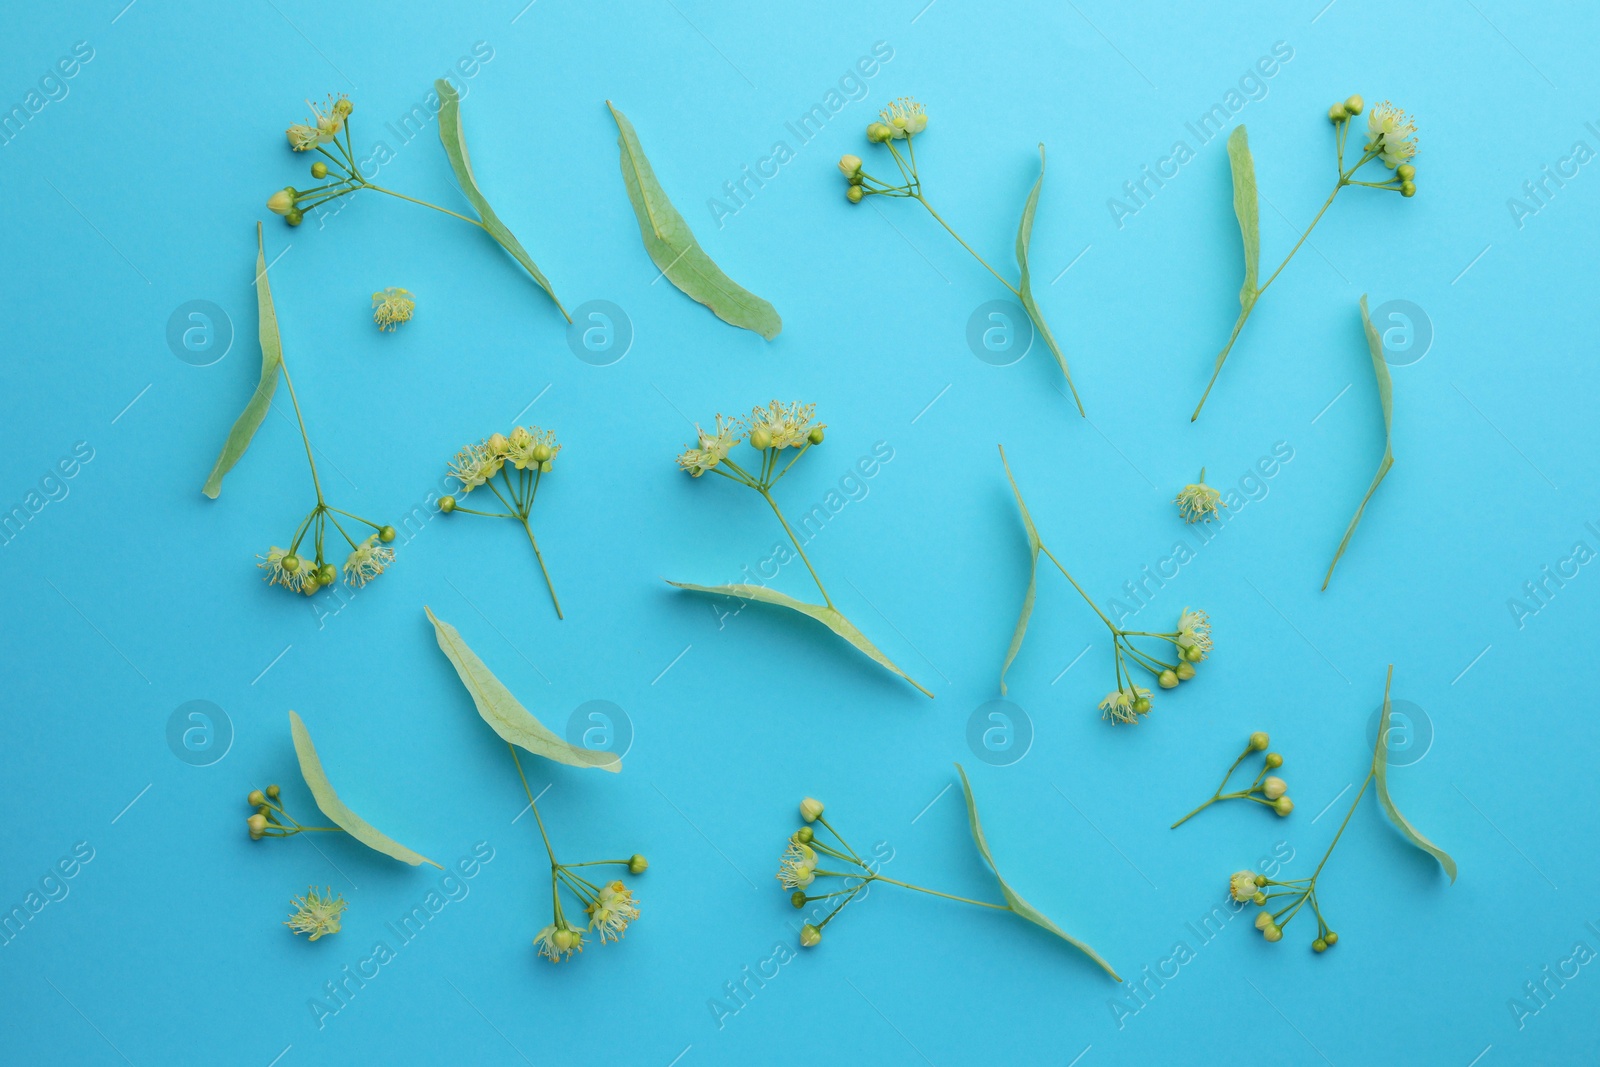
{"x": 1272, "y": 790}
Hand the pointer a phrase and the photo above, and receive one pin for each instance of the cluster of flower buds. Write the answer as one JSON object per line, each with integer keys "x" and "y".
{"x": 611, "y": 907}
{"x": 900, "y": 121}
{"x": 1266, "y": 789}
{"x": 368, "y": 558}
{"x": 1280, "y": 901}
{"x": 1391, "y": 139}
{"x": 270, "y": 820}
{"x": 1191, "y": 642}
{"x": 769, "y": 430}
{"x": 326, "y": 124}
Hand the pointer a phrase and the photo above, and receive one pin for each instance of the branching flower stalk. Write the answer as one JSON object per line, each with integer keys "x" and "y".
{"x": 903, "y": 120}
{"x": 1391, "y": 140}
{"x": 270, "y": 820}
{"x": 529, "y": 452}
{"x": 610, "y": 906}
{"x": 1266, "y": 789}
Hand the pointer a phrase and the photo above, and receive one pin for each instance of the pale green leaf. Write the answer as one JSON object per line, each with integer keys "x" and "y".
{"x": 455, "y": 147}
{"x": 1017, "y": 904}
{"x": 829, "y": 617}
{"x": 1025, "y": 286}
{"x": 1380, "y": 775}
{"x": 335, "y": 809}
{"x": 1380, "y": 368}
{"x": 249, "y": 420}
{"x": 1246, "y": 207}
{"x": 673, "y": 248}
{"x": 504, "y": 713}
{"x": 1035, "y": 546}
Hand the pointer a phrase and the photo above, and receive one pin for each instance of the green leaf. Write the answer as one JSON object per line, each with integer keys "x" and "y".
{"x": 1025, "y": 287}
{"x": 1380, "y": 368}
{"x": 1035, "y": 546}
{"x": 249, "y": 420}
{"x": 829, "y": 617}
{"x": 673, "y": 248}
{"x": 335, "y": 809}
{"x": 1380, "y": 774}
{"x": 1245, "y": 206}
{"x": 504, "y": 714}
{"x": 1017, "y": 904}
{"x": 455, "y": 146}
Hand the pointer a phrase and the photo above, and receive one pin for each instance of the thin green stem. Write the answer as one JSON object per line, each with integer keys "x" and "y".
{"x": 424, "y": 203}
{"x": 940, "y": 219}
{"x": 543, "y": 570}
{"x": 767, "y": 496}
{"x": 1079, "y": 588}
{"x": 305, "y": 437}
{"x": 554, "y": 866}
{"x": 936, "y": 893}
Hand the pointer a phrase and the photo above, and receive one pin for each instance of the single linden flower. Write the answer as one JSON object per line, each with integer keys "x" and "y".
{"x": 799, "y": 865}
{"x": 613, "y": 911}
{"x": 1392, "y": 134}
{"x": 785, "y": 425}
{"x": 302, "y": 138}
{"x": 1118, "y": 705}
{"x": 316, "y": 914}
{"x": 392, "y": 307}
{"x": 367, "y": 562}
{"x": 1194, "y": 631}
{"x": 1242, "y": 886}
{"x": 905, "y": 117}
{"x": 330, "y": 124}
{"x": 278, "y": 574}
{"x": 475, "y": 465}
{"x": 1198, "y": 501}
{"x": 713, "y": 447}
{"x": 532, "y": 447}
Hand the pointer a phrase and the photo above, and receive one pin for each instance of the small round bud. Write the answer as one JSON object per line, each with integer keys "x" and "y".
{"x": 854, "y": 194}
{"x": 1319, "y": 945}
{"x": 1167, "y": 680}
{"x": 1185, "y": 670}
{"x": 798, "y": 898}
{"x": 295, "y": 217}
{"x": 1193, "y": 653}
{"x": 290, "y": 563}
{"x": 1331, "y": 938}
{"x": 262, "y": 809}
{"x": 1263, "y": 919}
{"x": 1272, "y": 932}
{"x": 1261, "y": 879}
{"x": 282, "y": 201}
{"x": 804, "y": 835}
{"x": 1283, "y": 806}
{"x": 815, "y": 436}
{"x": 542, "y": 453}
{"x": 327, "y": 574}
{"x": 342, "y": 107}
{"x": 1354, "y": 105}
{"x": 447, "y": 504}
{"x": 760, "y": 439}
{"x": 564, "y": 939}
{"x": 1408, "y": 189}
{"x": 850, "y": 166}
{"x": 1142, "y": 705}
{"x": 272, "y": 792}
{"x": 386, "y": 534}
{"x": 257, "y": 823}
{"x": 1274, "y": 787}
{"x": 878, "y": 132}
{"x": 637, "y": 864}
{"x": 1337, "y": 113}
{"x": 256, "y": 798}
{"x": 1259, "y": 740}
{"x": 498, "y": 443}
{"x": 1258, "y": 898}
{"x": 810, "y": 936}
{"x": 1274, "y": 760}
{"x": 319, "y": 170}
{"x": 811, "y": 809}
{"x": 310, "y": 585}
{"x": 1405, "y": 172}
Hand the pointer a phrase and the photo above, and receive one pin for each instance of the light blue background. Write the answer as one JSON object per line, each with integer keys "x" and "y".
{"x": 139, "y": 191}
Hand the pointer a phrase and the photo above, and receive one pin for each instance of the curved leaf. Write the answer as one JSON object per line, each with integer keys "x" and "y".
{"x": 1025, "y": 287}
{"x": 829, "y": 617}
{"x": 673, "y": 248}
{"x": 502, "y": 711}
{"x": 1018, "y": 905}
{"x": 249, "y": 420}
{"x": 1380, "y": 368}
{"x": 1380, "y": 774}
{"x": 455, "y": 147}
{"x": 1035, "y": 545}
{"x": 1245, "y": 206}
{"x": 335, "y": 809}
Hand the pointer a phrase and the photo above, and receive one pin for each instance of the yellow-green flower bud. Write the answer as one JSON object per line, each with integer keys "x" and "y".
{"x": 854, "y": 194}
{"x": 850, "y": 167}
{"x": 811, "y": 809}
{"x": 295, "y": 217}
{"x": 815, "y": 436}
{"x": 1274, "y": 760}
{"x": 386, "y": 534}
{"x": 1354, "y": 105}
{"x": 327, "y": 574}
{"x": 257, "y": 824}
{"x": 810, "y": 936}
{"x": 804, "y": 835}
{"x": 1274, "y": 787}
{"x": 256, "y": 798}
{"x": 290, "y": 563}
{"x": 319, "y": 170}
{"x": 1319, "y": 945}
{"x": 272, "y": 792}
{"x": 447, "y": 504}
{"x": 637, "y": 864}
{"x": 1167, "y": 680}
{"x": 798, "y": 898}
{"x": 1259, "y": 740}
{"x": 282, "y": 201}
{"x": 1272, "y": 932}
{"x": 1337, "y": 113}
{"x": 879, "y": 132}
{"x": 1261, "y": 879}
{"x": 1142, "y": 705}
{"x": 1408, "y": 189}
{"x": 1258, "y": 898}
{"x": 1185, "y": 670}
{"x": 1331, "y": 938}
{"x": 1283, "y": 806}
{"x": 542, "y": 453}
{"x": 760, "y": 439}
{"x": 1263, "y": 919}
{"x": 1405, "y": 172}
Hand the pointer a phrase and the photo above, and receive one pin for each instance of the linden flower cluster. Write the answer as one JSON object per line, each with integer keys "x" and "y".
{"x": 270, "y": 820}
{"x": 368, "y": 558}
{"x": 1269, "y": 790}
{"x": 316, "y": 913}
{"x": 519, "y": 461}
{"x": 1198, "y": 502}
{"x": 1191, "y": 643}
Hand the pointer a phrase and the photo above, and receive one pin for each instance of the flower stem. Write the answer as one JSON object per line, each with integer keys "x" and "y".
{"x": 304, "y": 437}
{"x": 767, "y": 496}
{"x": 424, "y": 203}
{"x": 940, "y": 219}
{"x": 538, "y": 556}
{"x": 935, "y": 892}
{"x": 554, "y": 866}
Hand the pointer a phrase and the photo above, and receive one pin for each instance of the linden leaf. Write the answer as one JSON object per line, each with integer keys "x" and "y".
{"x": 829, "y": 617}
{"x": 1016, "y": 903}
{"x": 504, "y": 713}
{"x": 249, "y": 420}
{"x": 1035, "y": 546}
{"x": 1380, "y": 775}
{"x": 673, "y": 248}
{"x": 455, "y": 147}
{"x": 1025, "y": 288}
{"x": 1245, "y": 206}
{"x": 337, "y": 810}
{"x": 1380, "y": 368}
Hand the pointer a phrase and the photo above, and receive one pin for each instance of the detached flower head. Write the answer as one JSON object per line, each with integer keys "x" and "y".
{"x": 1198, "y": 501}
{"x": 713, "y": 447}
{"x": 799, "y": 865}
{"x": 905, "y": 118}
{"x": 559, "y": 943}
{"x": 613, "y": 911}
{"x": 475, "y": 465}
{"x": 1242, "y": 886}
{"x": 367, "y": 561}
{"x": 291, "y": 578}
{"x": 1118, "y": 705}
{"x": 316, "y": 914}
{"x": 1194, "y": 631}
{"x": 785, "y": 425}
{"x": 1392, "y": 134}
{"x": 392, "y": 307}
{"x": 531, "y": 447}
